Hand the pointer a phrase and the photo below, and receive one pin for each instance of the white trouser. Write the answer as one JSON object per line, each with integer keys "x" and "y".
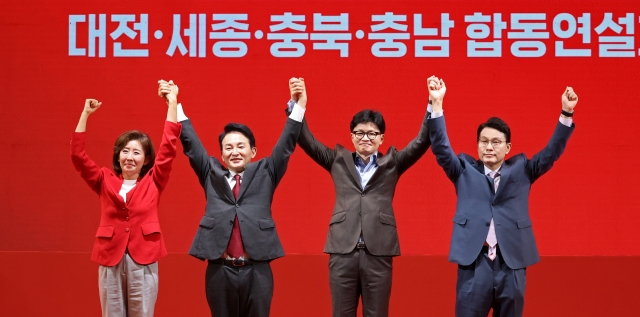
{"x": 128, "y": 289}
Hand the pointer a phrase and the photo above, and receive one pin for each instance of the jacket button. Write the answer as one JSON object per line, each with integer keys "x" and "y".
{"x": 126, "y": 219}
{"x": 360, "y": 213}
{"x": 488, "y": 223}
{"x": 231, "y": 222}
{"x": 127, "y": 229}
{"x": 363, "y": 194}
{"x": 123, "y": 208}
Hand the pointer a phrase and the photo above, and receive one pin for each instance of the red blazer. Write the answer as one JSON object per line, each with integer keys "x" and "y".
{"x": 132, "y": 225}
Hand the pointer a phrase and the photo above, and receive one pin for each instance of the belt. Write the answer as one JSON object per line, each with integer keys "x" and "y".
{"x": 234, "y": 262}
{"x": 360, "y": 245}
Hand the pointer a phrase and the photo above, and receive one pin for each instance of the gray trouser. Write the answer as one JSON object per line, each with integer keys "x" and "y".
{"x": 128, "y": 289}
{"x": 360, "y": 273}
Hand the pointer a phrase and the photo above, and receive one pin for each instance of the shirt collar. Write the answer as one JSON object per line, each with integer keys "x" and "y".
{"x": 231, "y": 174}
{"x": 488, "y": 170}
{"x": 374, "y": 158}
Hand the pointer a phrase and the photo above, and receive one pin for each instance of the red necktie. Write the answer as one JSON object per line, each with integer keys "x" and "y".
{"x": 235, "y": 248}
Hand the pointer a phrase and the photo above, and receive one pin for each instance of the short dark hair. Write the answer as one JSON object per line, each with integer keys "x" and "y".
{"x": 366, "y": 116}
{"x": 147, "y": 147}
{"x": 498, "y": 124}
{"x": 237, "y": 127}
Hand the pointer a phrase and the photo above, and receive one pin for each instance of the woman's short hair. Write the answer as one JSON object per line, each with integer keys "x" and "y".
{"x": 147, "y": 147}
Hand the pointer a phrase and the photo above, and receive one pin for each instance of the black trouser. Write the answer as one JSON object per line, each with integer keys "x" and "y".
{"x": 243, "y": 291}
{"x": 360, "y": 273}
{"x": 487, "y": 284}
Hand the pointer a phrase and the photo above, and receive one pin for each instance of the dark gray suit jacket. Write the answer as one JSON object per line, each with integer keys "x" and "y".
{"x": 509, "y": 207}
{"x": 367, "y": 210}
{"x": 253, "y": 206}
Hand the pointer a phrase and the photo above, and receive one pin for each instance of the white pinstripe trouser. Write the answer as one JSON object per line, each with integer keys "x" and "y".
{"x": 128, "y": 289}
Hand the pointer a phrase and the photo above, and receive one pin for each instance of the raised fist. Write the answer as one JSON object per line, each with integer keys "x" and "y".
{"x": 91, "y": 105}
{"x": 569, "y": 99}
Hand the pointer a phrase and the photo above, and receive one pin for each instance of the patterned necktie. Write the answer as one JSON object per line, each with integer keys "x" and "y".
{"x": 492, "y": 240}
{"x": 235, "y": 248}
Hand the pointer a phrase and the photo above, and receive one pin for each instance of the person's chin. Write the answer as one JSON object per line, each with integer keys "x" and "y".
{"x": 367, "y": 150}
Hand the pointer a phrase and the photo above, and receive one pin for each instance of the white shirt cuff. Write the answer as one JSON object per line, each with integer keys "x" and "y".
{"x": 181, "y": 116}
{"x": 566, "y": 121}
{"x": 437, "y": 114}
{"x": 297, "y": 113}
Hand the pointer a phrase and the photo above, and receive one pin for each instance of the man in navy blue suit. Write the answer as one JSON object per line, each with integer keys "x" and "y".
{"x": 492, "y": 240}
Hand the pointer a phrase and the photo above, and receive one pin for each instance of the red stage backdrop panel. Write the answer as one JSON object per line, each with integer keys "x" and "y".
{"x": 232, "y": 61}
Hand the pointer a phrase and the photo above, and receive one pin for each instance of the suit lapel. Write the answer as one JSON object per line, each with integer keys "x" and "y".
{"x": 349, "y": 164}
{"x": 480, "y": 169}
{"x": 115, "y": 183}
{"x": 131, "y": 192}
{"x": 505, "y": 172}
{"x": 382, "y": 162}
{"x": 221, "y": 184}
{"x": 247, "y": 177}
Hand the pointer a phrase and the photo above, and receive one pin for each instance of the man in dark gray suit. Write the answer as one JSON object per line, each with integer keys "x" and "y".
{"x": 492, "y": 240}
{"x": 237, "y": 234}
{"x": 362, "y": 239}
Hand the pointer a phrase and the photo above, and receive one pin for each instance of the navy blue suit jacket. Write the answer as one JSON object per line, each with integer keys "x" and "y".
{"x": 477, "y": 203}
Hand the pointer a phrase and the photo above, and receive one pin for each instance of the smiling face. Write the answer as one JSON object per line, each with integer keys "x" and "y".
{"x": 132, "y": 159}
{"x": 237, "y": 151}
{"x": 366, "y": 146}
{"x": 492, "y": 147}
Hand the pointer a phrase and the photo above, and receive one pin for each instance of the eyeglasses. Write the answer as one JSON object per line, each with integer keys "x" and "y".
{"x": 371, "y": 135}
{"x": 495, "y": 143}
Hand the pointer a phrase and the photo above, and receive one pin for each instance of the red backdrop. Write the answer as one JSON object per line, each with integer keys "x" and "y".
{"x": 586, "y": 205}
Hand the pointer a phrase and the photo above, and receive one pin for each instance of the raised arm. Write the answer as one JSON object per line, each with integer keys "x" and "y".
{"x": 167, "y": 151}
{"x": 416, "y": 148}
{"x": 90, "y": 106}
{"x": 287, "y": 142}
{"x": 320, "y": 153}
{"x": 193, "y": 148}
{"x": 543, "y": 160}
{"x": 169, "y": 93}
{"x": 440, "y": 145}
{"x": 88, "y": 169}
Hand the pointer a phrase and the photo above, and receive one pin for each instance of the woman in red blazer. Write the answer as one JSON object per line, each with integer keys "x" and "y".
{"x": 129, "y": 240}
